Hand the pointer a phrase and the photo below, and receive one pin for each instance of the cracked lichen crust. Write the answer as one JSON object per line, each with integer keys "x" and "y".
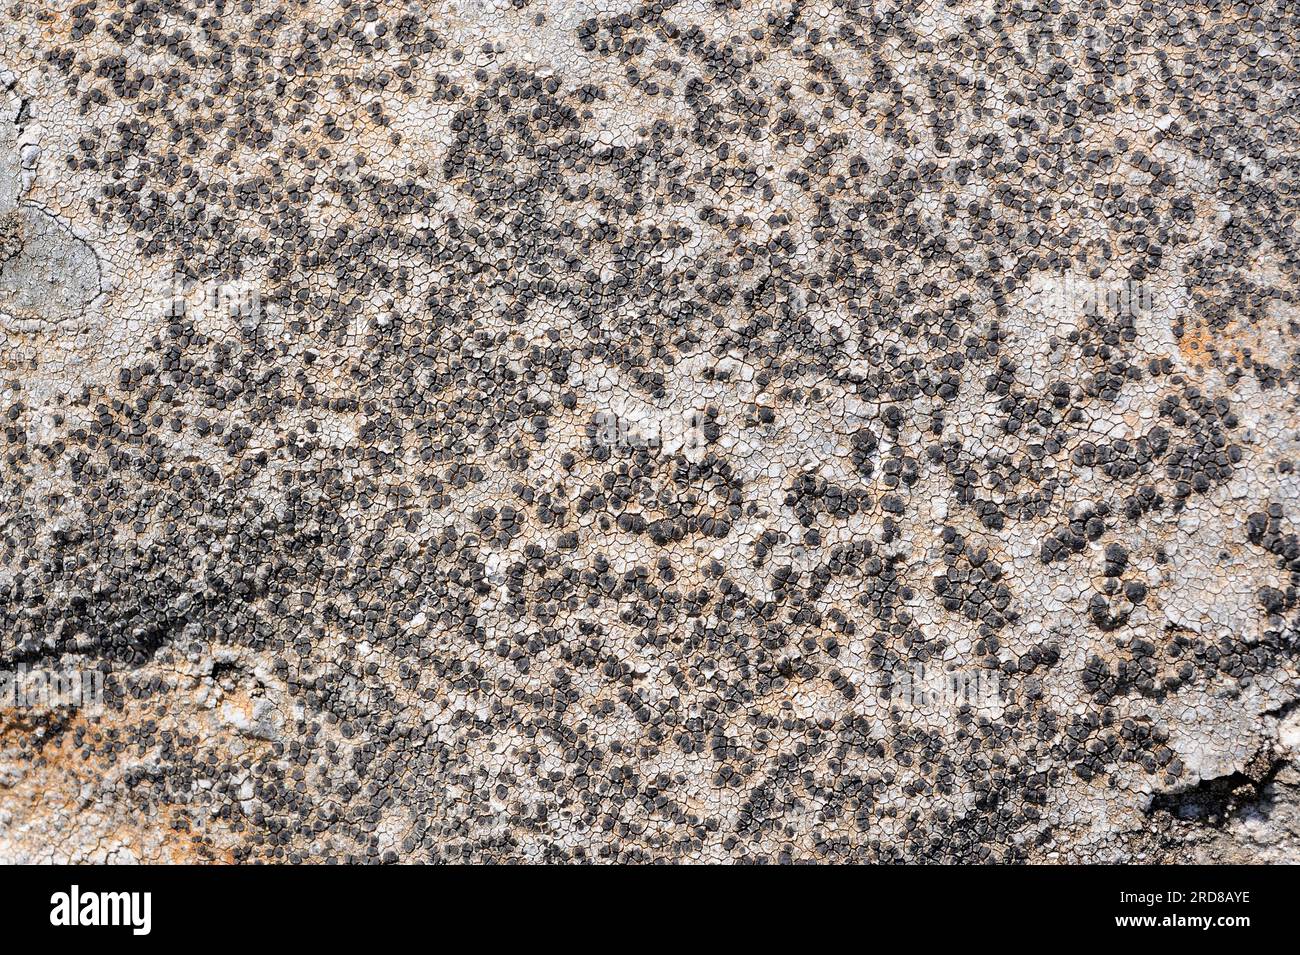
{"x": 681, "y": 431}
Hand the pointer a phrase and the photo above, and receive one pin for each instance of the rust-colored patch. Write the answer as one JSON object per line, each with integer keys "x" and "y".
{"x": 57, "y": 770}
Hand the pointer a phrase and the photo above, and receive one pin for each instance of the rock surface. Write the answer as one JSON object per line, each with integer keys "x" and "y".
{"x": 685, "y": 431}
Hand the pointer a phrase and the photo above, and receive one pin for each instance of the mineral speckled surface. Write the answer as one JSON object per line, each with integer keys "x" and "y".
{"x": 728, "y": 431}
